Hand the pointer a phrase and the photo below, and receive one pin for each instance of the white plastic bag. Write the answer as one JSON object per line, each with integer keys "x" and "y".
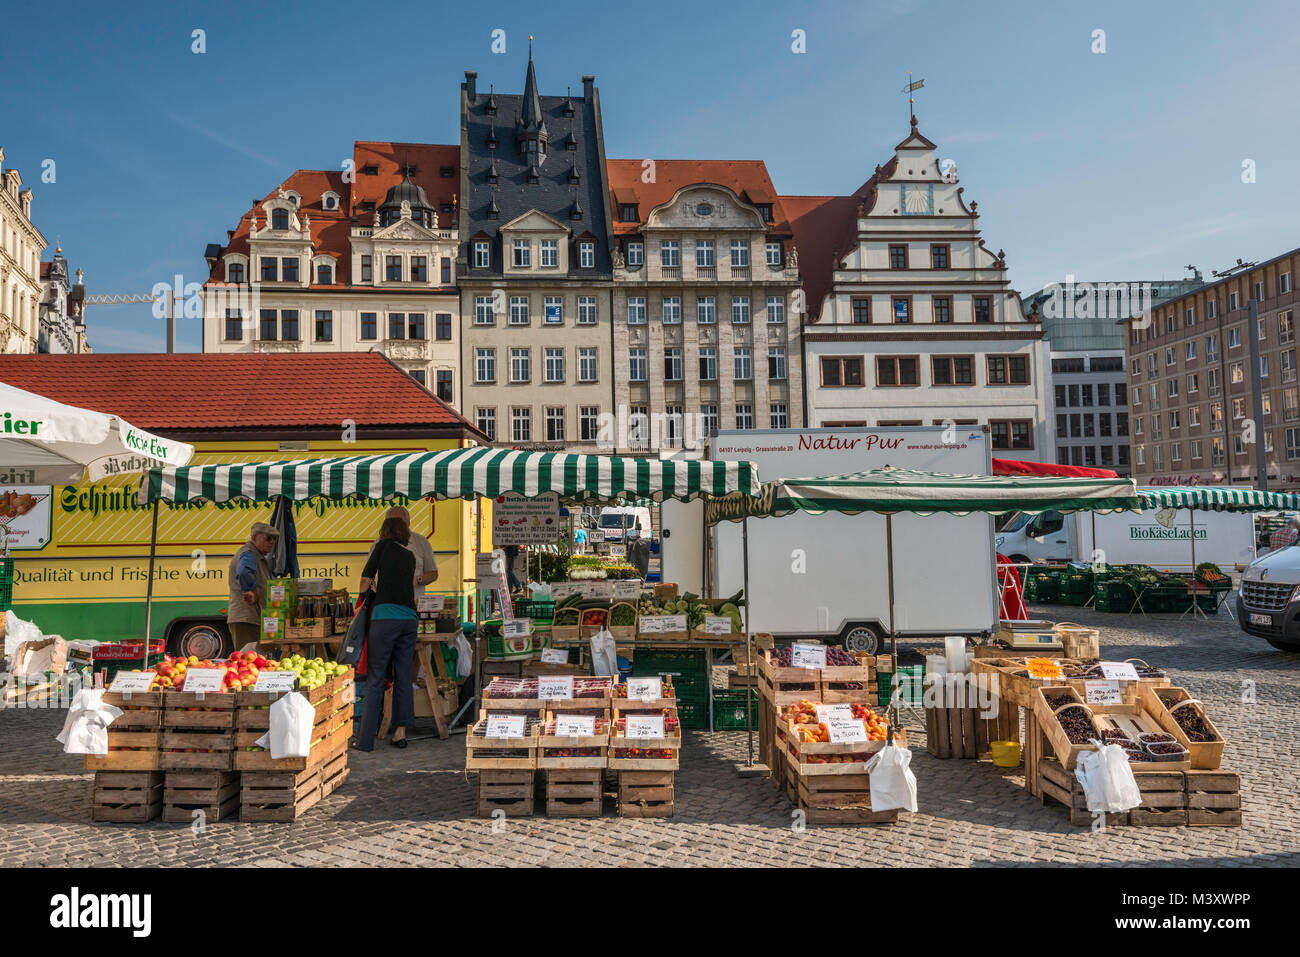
{"x": 85, "y": 730}
{"x": 464, "y": 657}
{"x": 604, "y": 654}
{"x": 893, "y": 785}
{"x": 1107, "y": 779}
{"x": 292, "y": 719}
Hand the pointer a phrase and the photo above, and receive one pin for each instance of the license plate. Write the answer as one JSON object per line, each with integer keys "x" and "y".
{"x": 1261, "y": 619}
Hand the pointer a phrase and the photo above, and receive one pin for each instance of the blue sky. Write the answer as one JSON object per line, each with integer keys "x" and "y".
{"x": 1120, "y": 165}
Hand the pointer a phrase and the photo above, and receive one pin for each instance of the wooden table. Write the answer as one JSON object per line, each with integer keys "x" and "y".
{"x": 431, "y": 667}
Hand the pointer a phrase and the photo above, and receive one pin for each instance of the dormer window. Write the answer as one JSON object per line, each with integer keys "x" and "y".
{"x": 522, "y": 254}
{"x": 765, "y": 210}
{"x": 370, "y": 170}
{"x": 575, "y": 178}
{"x": 533, "y": 177}
{"x": 491, "y": 176}
{"x": 492, "y": 139}
{"x": 330, "y": 203}
{"x": 279, "y": 219}
{"x": 447, "y": 172}
{"x": 235, "y": 272}
{"x": 628, "y": 213}
{"x": 482, "y": 254}
{"x": 324, "y": 275}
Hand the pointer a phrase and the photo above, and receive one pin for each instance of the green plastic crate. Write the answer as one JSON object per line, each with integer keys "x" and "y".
{"x": 729, "y": 709}
{"x": 910, "y": 679}
{"x": 689, "y": 670}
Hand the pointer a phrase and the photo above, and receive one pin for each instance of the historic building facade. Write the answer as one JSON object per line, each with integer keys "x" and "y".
{"x": 1193, "y": 370}
{"x": 350, "y": 261}
{"x": 62, "y": 328}
{"x": 911, "y": 319}
{"x": 21, "y": 245}
{"x": 706, "y": 333}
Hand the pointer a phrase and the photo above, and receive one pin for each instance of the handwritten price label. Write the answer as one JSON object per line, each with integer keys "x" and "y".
{"x": 808, "y": 656}
{"x": 202, "y": 680}
{"x": 833, "y": 712}
{"x": 645, "y": 726}
{"x": 645, "y": 689}
{"x": 516, "y": 628}
{"x": 505, "y": 725}
{"x": 575, "y": 725}
{"x": 555, "y": 656}
{"x": 555, "y": 688}
{"x": 628, "y": 589}
{"x": 674, "y": 623}
{"x": 846, "y": 732}
{"x": 275, "y": 681}
{"x": 1102, "y": 692}
{"x": 271, "y": 626}
{"x": 1119, "y": 671}
{"x": 132, "y": 682}
{"x": 650, "y": 624}
{"x": 717, "y": 626}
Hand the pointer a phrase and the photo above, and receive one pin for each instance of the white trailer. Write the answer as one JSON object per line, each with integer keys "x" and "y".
{"x": 1161, "y": 538}
{"x": 825, "y": 575}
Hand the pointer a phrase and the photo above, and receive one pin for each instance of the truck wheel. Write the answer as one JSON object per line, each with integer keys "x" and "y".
{"x": 861, "y": 638}
{"x": 202, "y": 639}
{"x": 1283, "y": 645}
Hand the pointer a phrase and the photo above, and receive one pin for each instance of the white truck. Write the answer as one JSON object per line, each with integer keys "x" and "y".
{"x": 826, "y": 575}
{"x": 1160, "y": 538}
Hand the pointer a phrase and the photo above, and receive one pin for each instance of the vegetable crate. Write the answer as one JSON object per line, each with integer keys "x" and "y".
{"x": 126, "y": 797}
{"x": 574, "y": 793}
{"x": 643, "y": 754}
{"x": 207, "y": 795}
{"x": 1096, "y": 722}
{"x": 573, "y": 752}
{"x": 1114, "y": 596}
{"x": 501, "y": 754}
{"x": 331, "y": 730}
{"x": 198, "y": 731}
{"x": 505, "y": 790}
{"x": 134, "y": 737}
{"x": 287, "y": 795}
{"x": 646, "y": 793}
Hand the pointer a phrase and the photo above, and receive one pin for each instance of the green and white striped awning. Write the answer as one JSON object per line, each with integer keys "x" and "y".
{"x": 1218, "y": 498}
{"x": 454, "y": 473}
{"x": 905, "y": 490}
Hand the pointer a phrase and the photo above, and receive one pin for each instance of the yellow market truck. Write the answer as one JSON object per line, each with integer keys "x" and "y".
{"x": 81, "y": 552}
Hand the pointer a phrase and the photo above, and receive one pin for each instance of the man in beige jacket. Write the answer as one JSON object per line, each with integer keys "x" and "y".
{"x": 247, "y": 577}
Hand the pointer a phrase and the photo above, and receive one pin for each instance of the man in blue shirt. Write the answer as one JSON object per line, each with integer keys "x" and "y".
{"x": 247, "y": 576}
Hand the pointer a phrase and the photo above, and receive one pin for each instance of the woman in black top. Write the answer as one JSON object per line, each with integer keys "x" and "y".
{"x": 393, "y": 627}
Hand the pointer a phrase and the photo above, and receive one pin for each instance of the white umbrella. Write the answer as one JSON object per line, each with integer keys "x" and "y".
{"x": 43, "y": 442}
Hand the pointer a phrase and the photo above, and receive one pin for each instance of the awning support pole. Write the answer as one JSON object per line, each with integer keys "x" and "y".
{"x": 893, "y": 631}
{"x": 148, "y": 597}
{"x": 749, "y": 638}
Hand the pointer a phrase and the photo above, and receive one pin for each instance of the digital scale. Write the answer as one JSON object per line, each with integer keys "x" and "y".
{"x": 1029, "y": 636}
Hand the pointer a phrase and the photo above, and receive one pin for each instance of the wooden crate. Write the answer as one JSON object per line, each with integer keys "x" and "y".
{"x": 503, "y": 669}
{"x": 215, "y": 793}
{"x": 1164, "y": 797}
{"x": 138, "y": 726}
{"x": 574, "y": 792}
{"x": 198, "y": 731}
{"x": 803, "y": 755}
{"x": 127, "y": 797}
{"x": 486, "y": 754}
{"x": 783, "y": 686}
{"x": 952, "y": 715}
{"x": 1213, "y": 798}
{"x": 508, "y": 790}
{"x": 253, "y": 708}
{"x": 848, "y": 684}
{"x": 322, "y": 628}
{"x": 1205, "y": 755}
{"x": 646, "y": 793}
{"x": 334, "y": 703}
{"x": 287, "y": 795}
{"x": 599, "y": 741}
{"x": 671, "y": 741}
{"x": 1066, "y": 751}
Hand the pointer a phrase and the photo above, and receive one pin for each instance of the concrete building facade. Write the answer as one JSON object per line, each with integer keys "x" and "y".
{"x": 21, "y": 245}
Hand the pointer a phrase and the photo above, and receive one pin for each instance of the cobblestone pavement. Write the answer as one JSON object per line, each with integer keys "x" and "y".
{"x": 415, "y": 806}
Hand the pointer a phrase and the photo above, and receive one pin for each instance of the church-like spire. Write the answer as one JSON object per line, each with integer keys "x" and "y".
{"x": 530, "y": 116}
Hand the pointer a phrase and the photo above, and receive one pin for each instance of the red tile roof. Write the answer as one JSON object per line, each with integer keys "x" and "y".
{"x": 45, "y": 271}
{"x": 188, "y": 392}
{"x": 331, "y": 229}
{"x": 748, "y": 179}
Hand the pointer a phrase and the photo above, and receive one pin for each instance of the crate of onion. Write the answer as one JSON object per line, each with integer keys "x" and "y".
{"x": 638, "y": 742}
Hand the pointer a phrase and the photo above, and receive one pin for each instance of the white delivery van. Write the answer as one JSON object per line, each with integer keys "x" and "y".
{"x": 618, "y": 523}
{"x": 1160, "y": 538}
{"x": 825, "y": 575}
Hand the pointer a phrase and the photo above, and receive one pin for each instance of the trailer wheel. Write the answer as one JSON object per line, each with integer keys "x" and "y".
{"x": 202, "y": 639}
{"x": 861, "y": 638}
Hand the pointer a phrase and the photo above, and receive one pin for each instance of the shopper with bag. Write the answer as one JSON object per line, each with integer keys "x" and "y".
{"x": 394, "y": 623}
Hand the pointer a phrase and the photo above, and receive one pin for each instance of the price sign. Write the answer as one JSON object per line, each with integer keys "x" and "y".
{"x": 1118, "y": 671}
{"x": 645, "y": 689}
{"x": 1102, "y": 692}
{"x": 276, "y": 681}
{"x": 618, "y": 551}
{"x": 516, "y": 628}
{"x": 131, "y": 682}
{"x": 717, "y": 626}
{"x": 602, "y": 591}
{"x": 838, "y": 712}
{"x": 645, "y": 726}
{"x": 650, "y": 624}
{"x": 562, "y": 590}
{"x": 628, "y": 589}
{"x": 575, "y": 725}
{"x": 596, "y": 534}
{"x": 271, "y": 626}
{"x": 555, "y": 688}
{"x": 201, "y": 680}
{"x": 276, "y": 594}
{"x": 505, "y": 725}
{"x": 846, "y": 732}
{"x": 808, "y": 656}
{"x": 555, "y": 656}
{"x": 430, "y": 604}
{"x": 674, "y": 623}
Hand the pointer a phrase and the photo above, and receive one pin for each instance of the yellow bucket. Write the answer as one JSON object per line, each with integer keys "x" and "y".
{"x": 1006, "y": 754}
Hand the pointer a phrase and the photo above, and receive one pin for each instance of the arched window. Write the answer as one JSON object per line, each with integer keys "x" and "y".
{"x": 324, "y": 274}
{"x": 279, "y": 219}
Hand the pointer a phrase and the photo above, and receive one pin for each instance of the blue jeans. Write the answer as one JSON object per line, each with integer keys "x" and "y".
{"x": 389, "y": 641}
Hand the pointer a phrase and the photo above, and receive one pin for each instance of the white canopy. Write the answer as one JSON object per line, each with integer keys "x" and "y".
{"x": 43, "y": 442}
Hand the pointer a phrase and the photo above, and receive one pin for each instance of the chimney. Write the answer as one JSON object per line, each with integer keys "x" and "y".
{"x": 588, "y": 86}
{"x": 471, "y": 83}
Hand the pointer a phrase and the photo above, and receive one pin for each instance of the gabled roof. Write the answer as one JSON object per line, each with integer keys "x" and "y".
{"x": 915, "y": 141}
{"x": 243, "y": 392}
{"x": 748, "y": 179}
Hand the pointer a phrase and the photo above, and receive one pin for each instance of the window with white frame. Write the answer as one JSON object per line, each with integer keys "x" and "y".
{"x": 744, "y": 365}
{"x": 1194, "y": 450}
{"x": 550, "y": 254}
{"x": 704, "y": 258}
{"x": 672, "y": 310}
{"x": 554, "y": 364}
{"x": 523, "y": 255}
{"x": 1292, "y": 444}
{"x": 485, "y": 365}
{"x": 1173, "y": 388}
{"x": 1236, "y": 373}
{"x": 1194, "y": 417}
{"x": 1233, "y": 301}
{"x": 1212, "y": 348}
{"x": 1176, "y": 452}
{"x": 780, "y": 416}
{"x": 518, "y": 310}
{"x": 773, "y": 253}
{"x": 1234, "y": 337}
{"x": 708, "y": 364}
{"x": 740, "y": 254}
{"x": 673, "y": 424}
{"x": 670, "y": 253}
{"x": 706, "y": 310}
{"x": 1189, "y": 351}
{"x": 1193, "y": 383}
{"x": 589, "y": 423}
{"x": 635, "y": 254}
{"x": 776, "y": 309}
{"x": 776, "y": 363}
{"x": 636, "y": 310}
{"x": 483, "y": 314}
{"x": 740, "y": 309}
{"x": 1285, "y": 329}
{"x": 708, "y": 420}
{"x": 586, "y": 255}
{"x": 638, "y": 424}
{"x": 586, "y": 310}
{"x": 1263, "y": 367}
{"x": 1171, "y": 356}
{"x": 1175, "y": 420}
{"x": 636, "y": 365}
{"x": 672, "y": 365}
{"x": 744, "y": 416}
{"x": 1287, "y": 361}
{"x": 555, "y": 423}
{"x": 588, "y": 365}
{"x": 521, "y": 424}
{"x": 553, "y": 310}
{"x": 520, "y": 365}
{"x": 486, "y": 420}
{"x": 483, "y": 260}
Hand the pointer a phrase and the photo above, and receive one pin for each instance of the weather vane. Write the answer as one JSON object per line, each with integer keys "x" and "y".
{"x": 909, "y": 90}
